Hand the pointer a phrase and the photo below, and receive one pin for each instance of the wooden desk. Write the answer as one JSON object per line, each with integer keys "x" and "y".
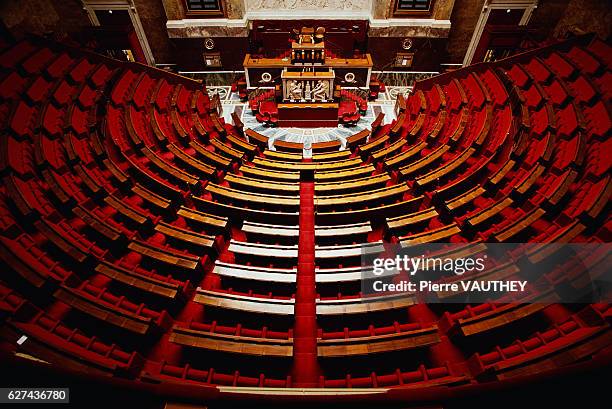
{"x": 111, "y": 314}
{"x": 464, "y": 100}
{"x": 458, "y": 131}
{"x": 187, "y": 237}
{"x": 360, "y": 215}
{"x": 260, "y": 199}
{"x": 217, "y": 124}
{"x": 214, "y": 222}
{"x": 331, "y": 156}
{"x": 553, "y": 198}
{"x": 159, "y": 130}
{"x": 134, "y": 215}
{"x": 501, "y": 173}
{"x": 285, "y": 156}
{"x": 437, "y": 126}
{"x": 440, "y": 234}
{"x": 329, "y": 146}
{"x": 358, "y": 138}
{"x": 574, "y": 347}
{"x": 181, "y": 131}
{"x": 205, "y": 171}
{"x": 384, "y": 152}
{"x": 308, "y": 114}
{"x": 403, "y": 157}
{"x": 254, "y": 66}
{"x": 500, "y": 272}
{"x": 155, "y": 200}
{"x": 238, "y": 125}
{"x": 529, "y": 180}
{"x": 259, "y": 185}
{"x": 372, "y": 145}
{"x": 364, "y": 305}
{"x": 352, "y": 230}
{"x": 566, "y": 234}
{"x": 255, "y": 273}
{"x": 118, "y": 174}
{"x": 228, "y": 150}
{"x": 459, "y": 201}
{"x": 256, "y": 138}
{"x": 167, "y": 256}
{"x": 441, "y": 95}
{"x": 298, "y": 166}
{"x": 353, "y": 185}
{"x": 483, "y": 132}
{"x": 57, "y": 236}
{"x": 108, "y": 231}
{"x": 291, "y": 147}
{"x": 342, "y": 275}
{"x": 399, "y": 123}
{"x": 424, "y": 161}
{"x": 339, "y": 251}
{"x": 256, "y": 172}
{"x": 238, "y": 213}
{"x": 400, "y": 104}
{"x": 486, "y": 214}
{"x": 184, "y": 178}
{"x": 231, "y": 343}
{"x": 377, "y": 123}
{"x": 444, "y": 170}
{"x": 373, "y": 344}
{"x": 401, "y": 222}
{"x": 167, "y": 289}
{"x": 238, "y": 302}
{"x": 501, "y": 316}
{"x": 242, "y": 145}
{"x": 263, "y": 250}
{"x": 418, "y": 124}
{"x": 198, "y": 126}
{"x": 213, "y": 158}
{"x": 352, "y": 173}
{"x": 362, "y": 199}
{"x": 519, "y": 225}
{"x": 265, "y": 232}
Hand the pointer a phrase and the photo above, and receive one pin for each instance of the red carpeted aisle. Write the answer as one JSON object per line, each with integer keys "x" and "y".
{"x": 305, "y": 365}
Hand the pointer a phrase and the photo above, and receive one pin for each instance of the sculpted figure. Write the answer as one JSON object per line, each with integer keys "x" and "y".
{"x": 321, "y": 91}
{"x": 295, "y": 89}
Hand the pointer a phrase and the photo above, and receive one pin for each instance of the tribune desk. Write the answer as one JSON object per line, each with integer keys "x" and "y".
{"x": 255, "y": 68}
{"x": 308, "y": 114}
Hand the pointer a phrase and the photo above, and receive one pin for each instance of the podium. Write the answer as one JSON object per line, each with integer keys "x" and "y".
{"x": 308, "y": 86}
{"x": 308, "y": 114}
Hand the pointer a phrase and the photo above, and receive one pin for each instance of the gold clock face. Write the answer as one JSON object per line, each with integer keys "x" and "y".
{"x": 406, "y": 43}
{"x": 209, "y": 43}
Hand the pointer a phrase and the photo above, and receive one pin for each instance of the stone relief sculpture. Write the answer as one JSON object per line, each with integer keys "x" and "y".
{"x": 321, "y": 91}
{"x": 295, "y": 90}
{"x": 356, "y": 5}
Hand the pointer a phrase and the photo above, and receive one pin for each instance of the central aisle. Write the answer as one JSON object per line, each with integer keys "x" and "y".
{"x": 306, "y": 368}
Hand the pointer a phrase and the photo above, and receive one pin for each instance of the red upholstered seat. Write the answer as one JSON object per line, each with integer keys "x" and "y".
{"x": 37, "y": 62}
{"x": 16, "y": 54}
{"x": 268, "y": 108}
{"x": 101, "y": 75}
{"x": 560, "y": 65}
{"x": 39, "y": 90}
{"x": 598, "y": 118}
{"x": 81, "y": 70}
{"x": 12, "y": 85}
{"x": 584, "y": 60}
{"x": 60, "y": 65}
{"x": 583, "y": 89}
